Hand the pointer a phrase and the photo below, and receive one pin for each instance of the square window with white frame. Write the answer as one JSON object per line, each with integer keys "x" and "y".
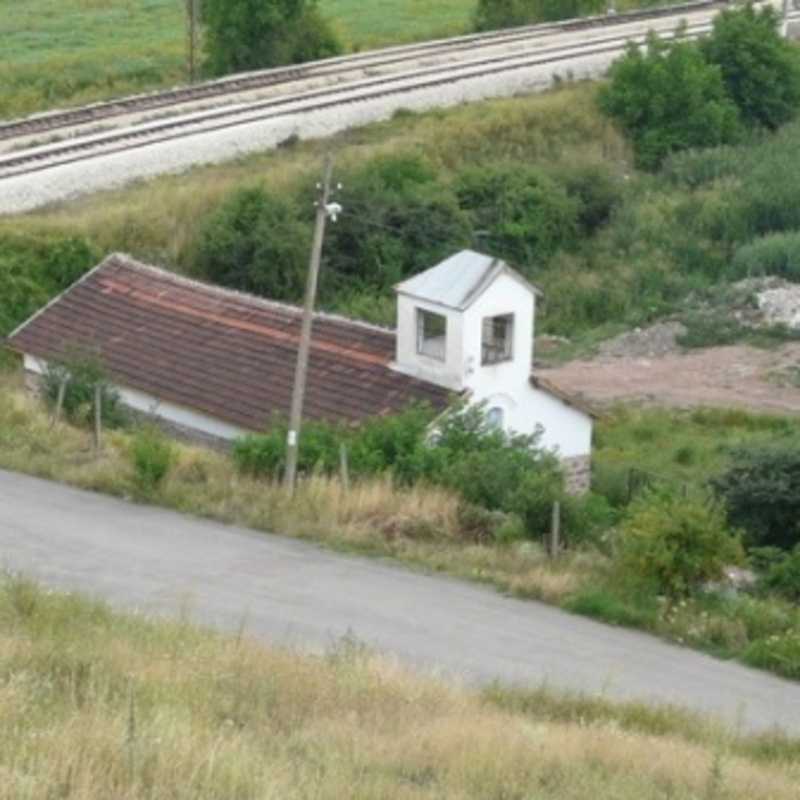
{"x": 498, "y": 339}
{"x": 431, "y": 334}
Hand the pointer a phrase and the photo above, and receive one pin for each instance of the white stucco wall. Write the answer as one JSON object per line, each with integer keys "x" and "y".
{"x": 506, "y": 295}
{"x": 449, "y": 372}
{"x": 505, "y": 385}
{"x": 170, "y": 412}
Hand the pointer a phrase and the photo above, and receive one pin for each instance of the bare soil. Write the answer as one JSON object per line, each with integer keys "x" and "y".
{"x": 734, "y": 377}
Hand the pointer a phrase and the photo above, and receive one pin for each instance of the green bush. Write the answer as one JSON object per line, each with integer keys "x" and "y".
{"x": 693, "y": 169}
{"x": 667, "y": 98}
{"x": 675, "y": 541}
{"x": 774, "y": 254}
{"x": 526, "y": 215}
{"x": 255, "y": 242}
{"x": 783, "y": 577}
{"x": 398, "y": 219}
{"x": 253, "y": 34}
{"x": 486, "y": 467}
{"x": 152, "y": 456}
{"x": 760, "y": 68}
{"x": 265, "y": 453}
{"x": 497, "y": 14}
{"x": 778, "y": 653}
{"x": 533, "y": 497}
{"x": 33, "y": 269}
{"x": 710, "y": 329}
{"x": 761, "y": 491}
{"x": 598, "y": 192}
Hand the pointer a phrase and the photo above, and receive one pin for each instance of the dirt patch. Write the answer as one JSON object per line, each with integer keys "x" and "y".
{"x": 736, "y": 376}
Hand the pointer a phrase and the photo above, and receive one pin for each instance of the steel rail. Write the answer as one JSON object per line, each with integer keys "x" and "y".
{"x": 230, "y": 86}
{"x": 52, "y": 156}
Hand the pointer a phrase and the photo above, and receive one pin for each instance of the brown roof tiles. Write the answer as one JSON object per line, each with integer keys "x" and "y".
{"x": 229, "y": 355}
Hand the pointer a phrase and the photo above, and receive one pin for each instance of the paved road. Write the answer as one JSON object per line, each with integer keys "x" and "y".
{"x": 294, "y": 593}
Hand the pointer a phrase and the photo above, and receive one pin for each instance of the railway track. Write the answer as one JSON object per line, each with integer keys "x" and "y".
{"x": 53, "y": 121}
{"x": 520, "y": 60}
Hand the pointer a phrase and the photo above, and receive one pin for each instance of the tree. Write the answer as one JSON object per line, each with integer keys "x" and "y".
{"x": 255, "y": 242}
{"x": 761, "y": 69}
{"x": 761, "y": 490}
{"x": 255, "y": 34}
{"x": 398, "y": 219}
{"x": 668, "y": 98}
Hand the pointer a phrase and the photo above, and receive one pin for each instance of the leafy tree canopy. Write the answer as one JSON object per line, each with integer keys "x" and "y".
{"x": 761, "y": 490}
{"x": 666, "y": 98}
{"x": 760, "y": 68}
{"x": 255, "y": 34}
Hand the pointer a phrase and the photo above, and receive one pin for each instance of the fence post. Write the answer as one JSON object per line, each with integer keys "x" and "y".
{"x": 344, "y": 467}
{"x": 98, "y": 415}
{"x": 62, "y": 390}
{"x": 555, "y": 531}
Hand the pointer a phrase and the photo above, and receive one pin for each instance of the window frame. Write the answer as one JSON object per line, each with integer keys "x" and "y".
{"x": 422, "y": 315}
{"x": 491, "y": 353}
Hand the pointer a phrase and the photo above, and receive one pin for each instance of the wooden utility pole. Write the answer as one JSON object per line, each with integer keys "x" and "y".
{"x": 298, "y": 394}
{"x": 191, "y": 12}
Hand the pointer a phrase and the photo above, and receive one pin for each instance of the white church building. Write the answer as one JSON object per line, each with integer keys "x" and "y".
{"x": 215, "y": 364}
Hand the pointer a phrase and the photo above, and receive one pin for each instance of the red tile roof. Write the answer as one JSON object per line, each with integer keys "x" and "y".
{"x": 229, "y": 355}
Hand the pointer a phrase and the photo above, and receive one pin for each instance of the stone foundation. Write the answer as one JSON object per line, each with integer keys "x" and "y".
{"x": 578, "y": 474}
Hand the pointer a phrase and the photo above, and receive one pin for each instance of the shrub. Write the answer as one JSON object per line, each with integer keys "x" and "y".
{"x": 779, "y": 653}
{"x": 675, "y": 541}
{"x": 774, "y": 254}
{"x": 783, "y": 577}
{"x": 760, "y": 68}
{"x": 254, "y": 34}
{"x": 761, "y": 491}
{"x": 667, "y": 98}
{"x": 255, "y": 242}
{"x": 710, "y": 329}
{"x": 533, "y": 497}
{"x": 526, "y": 214}
{"x": 496, "y": 14}
{"x": 35, "y": 268}
{"x": 597, "y": 190}
{"x": 152, "y": 456}
{"x": 265, "y": 453}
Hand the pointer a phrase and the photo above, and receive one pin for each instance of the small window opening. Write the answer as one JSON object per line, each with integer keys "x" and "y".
{"x": 498, "y": 336}
{"x": 431, "y": 334}
{"x": 495, "y": 418}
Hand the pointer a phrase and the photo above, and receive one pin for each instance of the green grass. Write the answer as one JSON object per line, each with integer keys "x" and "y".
{"x": 98, "y": 704}
{"x": 380, "y": 22}
{"x": 679, "y": 448}
{"x": 77, "y": 51}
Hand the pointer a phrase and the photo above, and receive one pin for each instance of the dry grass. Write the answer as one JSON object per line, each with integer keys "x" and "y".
{"x": 99, "y": 705}
{"x": 418, "y": 525}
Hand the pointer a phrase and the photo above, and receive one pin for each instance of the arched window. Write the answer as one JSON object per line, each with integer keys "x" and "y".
{"x": 495, "y": 417}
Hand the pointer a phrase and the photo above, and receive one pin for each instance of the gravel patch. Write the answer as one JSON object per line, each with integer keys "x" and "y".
{"x": 780, "y": 306}
{"x": 657, "y": 340}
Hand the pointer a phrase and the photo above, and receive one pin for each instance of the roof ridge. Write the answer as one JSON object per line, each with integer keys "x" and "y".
{"x": 247, "y": 297}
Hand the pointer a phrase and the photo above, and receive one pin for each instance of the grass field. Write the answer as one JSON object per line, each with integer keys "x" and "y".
{"x": 76, "y": 51}
{"x": 100, "y": 705}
